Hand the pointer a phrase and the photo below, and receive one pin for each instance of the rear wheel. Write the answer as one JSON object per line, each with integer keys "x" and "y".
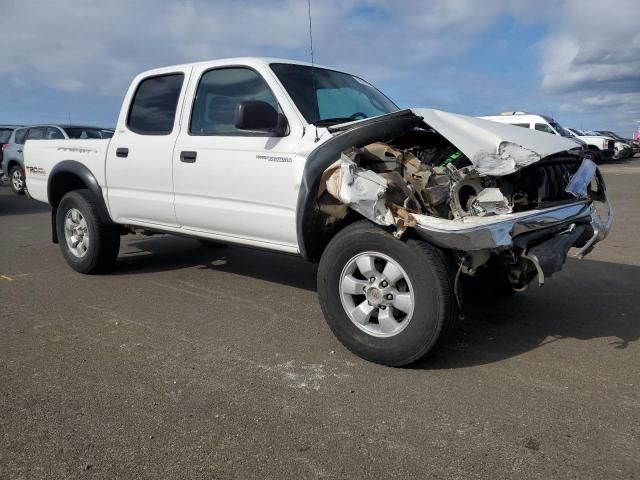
{"x": 16, "y": 176}
{"x": 88, "y": 245}
{"x": 386, "y": 300}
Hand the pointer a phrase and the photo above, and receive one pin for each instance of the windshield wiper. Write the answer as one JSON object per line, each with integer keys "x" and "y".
{"x": 334, "y": 121}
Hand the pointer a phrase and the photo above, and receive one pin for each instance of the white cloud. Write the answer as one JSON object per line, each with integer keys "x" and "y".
{"x": 75, "y": 46}
{"x": 591, "y": 60}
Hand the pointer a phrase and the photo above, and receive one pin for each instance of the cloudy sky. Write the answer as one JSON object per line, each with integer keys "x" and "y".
{"x": 578, "y": 60}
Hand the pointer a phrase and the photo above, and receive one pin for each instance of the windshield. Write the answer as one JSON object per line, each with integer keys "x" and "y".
{"x": 327, "y": 97}
{"x": 560, "y": 129}
{"x": 82, "y": 133}
{"x": 4, "y": 135}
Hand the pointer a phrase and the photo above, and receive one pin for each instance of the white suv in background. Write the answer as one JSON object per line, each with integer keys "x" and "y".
{"x": 620, "y": 148}
{"x": 600, "y": 148}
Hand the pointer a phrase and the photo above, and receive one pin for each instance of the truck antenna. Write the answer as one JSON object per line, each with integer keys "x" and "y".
{"x": 313, "y": 76}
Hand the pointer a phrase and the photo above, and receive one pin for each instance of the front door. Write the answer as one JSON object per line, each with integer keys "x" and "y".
{"x": 234, "y": 183}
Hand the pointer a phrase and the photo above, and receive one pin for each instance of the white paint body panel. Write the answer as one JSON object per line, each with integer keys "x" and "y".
{"x": 40, "y": 156}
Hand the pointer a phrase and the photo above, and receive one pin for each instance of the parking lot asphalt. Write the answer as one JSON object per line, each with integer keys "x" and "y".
{"x": 193, "y": 362}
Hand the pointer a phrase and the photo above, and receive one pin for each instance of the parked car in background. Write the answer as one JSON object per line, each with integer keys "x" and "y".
{"x": 533, "y": 121}
{"x": 634, "y": 144}
{"x": 602, "y": 142}
{"x": 604, "y": 146}
{"x": 5, "y": 135}
{"x": 13, "y": 163}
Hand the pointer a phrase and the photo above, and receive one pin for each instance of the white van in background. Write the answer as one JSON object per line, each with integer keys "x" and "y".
{"x": 601, "y": 149}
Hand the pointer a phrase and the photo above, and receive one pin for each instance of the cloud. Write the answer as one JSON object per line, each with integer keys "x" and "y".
{"x": 90, "y": 46}
{"x": 89, "y": 51}
{"x": 591, "y": 60}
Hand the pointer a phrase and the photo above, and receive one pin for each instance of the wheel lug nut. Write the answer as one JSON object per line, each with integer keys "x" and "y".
{"x": 389, "y": 296}
{"x": 384, "y": 284}
{"x": 372, "y": 279}
{"x": 382, "y": 307}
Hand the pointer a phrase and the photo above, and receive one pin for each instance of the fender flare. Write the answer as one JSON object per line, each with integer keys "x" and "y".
{"x": 313, "y": 235}
{"x": 86, "y": 177}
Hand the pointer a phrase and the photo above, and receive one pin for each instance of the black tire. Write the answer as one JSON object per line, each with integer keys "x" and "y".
{"x": 596, "y": 156}
{"x": 426, "y": 268}
{"x": 104, "y": 242}
{"x": 17, "y": 170}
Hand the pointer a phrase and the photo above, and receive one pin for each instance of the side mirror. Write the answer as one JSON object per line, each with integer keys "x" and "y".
{"x": 259, "y": 116}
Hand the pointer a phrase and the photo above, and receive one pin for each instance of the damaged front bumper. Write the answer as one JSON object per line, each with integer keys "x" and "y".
{"x": 481, "y": 233}
{"x": 542, "y": 237}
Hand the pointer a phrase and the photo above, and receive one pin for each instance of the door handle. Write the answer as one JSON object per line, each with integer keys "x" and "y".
{"x": 122, "y": 152}
{"x": 19, "y": 151}
{"x": 188, "y": 157}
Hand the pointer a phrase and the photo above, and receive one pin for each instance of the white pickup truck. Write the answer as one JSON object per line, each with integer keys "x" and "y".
{"x": 398, "y": 206}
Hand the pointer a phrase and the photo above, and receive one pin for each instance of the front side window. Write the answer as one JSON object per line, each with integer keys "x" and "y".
{"x": 327, "y": 97}
{"x": 219, "y": 93}
{"x": 543, "y": 127}
{"x": 560, "y": 129}
{"x": 154, "y": 105}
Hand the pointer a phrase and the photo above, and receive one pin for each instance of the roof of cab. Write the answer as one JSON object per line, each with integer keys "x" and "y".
{"x": 248, "y": 61}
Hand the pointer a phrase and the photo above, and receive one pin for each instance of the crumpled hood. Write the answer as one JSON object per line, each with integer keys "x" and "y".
{"x": 494, "y": 148}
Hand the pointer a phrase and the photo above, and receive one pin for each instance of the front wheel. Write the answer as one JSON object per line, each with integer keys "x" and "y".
{"x": 386, "y": 300}
{"x": 16, "y": 175}
{"x": 88, "y": 245}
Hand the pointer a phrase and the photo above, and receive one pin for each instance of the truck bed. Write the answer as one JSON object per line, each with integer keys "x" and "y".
{"x": 41, "y": 156}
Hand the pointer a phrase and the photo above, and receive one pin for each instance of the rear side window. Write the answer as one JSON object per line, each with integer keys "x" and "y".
{"x": 153, "y": 108}
{"x": 20, "y": 136}
{"x": 219, "y": 92}
{"x": 523, "y": 125}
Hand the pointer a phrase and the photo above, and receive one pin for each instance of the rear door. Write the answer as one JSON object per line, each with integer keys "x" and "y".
{"x": 138, "y": 166}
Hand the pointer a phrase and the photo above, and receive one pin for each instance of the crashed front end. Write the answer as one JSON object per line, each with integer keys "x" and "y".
{"x": 490, "y": 193}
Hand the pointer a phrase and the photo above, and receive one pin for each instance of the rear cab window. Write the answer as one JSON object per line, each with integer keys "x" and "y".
{"x": 37, "y": 133}
{"x": 54, "y": 133}
{"x": 154, "y": 104}
{"x": 83, "y": 133}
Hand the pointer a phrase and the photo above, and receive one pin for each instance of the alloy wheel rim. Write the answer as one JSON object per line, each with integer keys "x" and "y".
{"x": 76, "y": 233}
{"x": 376, "y": 294}
{"x": 16, "y": 178}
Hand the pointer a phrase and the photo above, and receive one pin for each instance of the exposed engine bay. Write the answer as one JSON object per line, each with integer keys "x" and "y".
{"x": 421, "y": 180}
